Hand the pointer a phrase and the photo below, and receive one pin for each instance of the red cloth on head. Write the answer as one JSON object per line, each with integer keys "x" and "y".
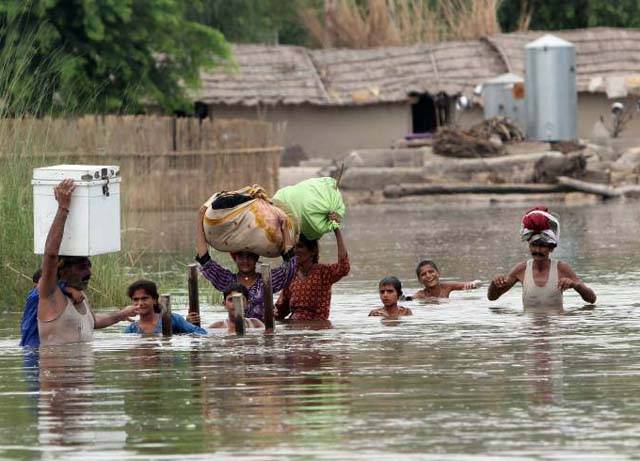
{"x": 535, "y": 221}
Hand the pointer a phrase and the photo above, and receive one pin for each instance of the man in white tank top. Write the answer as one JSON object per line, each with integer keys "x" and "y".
{"x": 64, "y": 315}
{"x": 543, "y": 279}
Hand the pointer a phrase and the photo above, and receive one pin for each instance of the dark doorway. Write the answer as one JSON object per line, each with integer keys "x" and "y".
{"x": 429, "y": 112}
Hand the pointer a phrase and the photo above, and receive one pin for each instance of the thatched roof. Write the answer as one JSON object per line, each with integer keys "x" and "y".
{"x": 264, "y": 75}
{"x": 295, "y": 75}
{"x": 391, "y": 74}
{"x": 600, "y": 52}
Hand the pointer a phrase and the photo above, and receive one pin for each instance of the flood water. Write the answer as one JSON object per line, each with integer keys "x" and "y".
{"x": 463, "y": 379}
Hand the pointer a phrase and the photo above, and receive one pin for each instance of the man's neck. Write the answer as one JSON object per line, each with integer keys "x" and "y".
{"x": 541, "y": 264}
{"x": 150, "y": 317}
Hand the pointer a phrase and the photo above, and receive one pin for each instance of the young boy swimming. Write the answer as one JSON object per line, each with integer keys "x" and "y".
{"x": 390, "y": 291}
{"x": 429, "y": 275}
{"x": 230, "y": 322}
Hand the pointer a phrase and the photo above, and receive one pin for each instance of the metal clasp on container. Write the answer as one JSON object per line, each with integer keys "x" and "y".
{"x": 105, "y": 186}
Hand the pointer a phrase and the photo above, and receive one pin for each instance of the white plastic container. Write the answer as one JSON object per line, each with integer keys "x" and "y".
{"x": 93, "y": 224}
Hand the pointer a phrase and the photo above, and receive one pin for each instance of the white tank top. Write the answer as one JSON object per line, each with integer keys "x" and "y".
{"x": 548, "y": 296}
{"x": 73, "y": 325}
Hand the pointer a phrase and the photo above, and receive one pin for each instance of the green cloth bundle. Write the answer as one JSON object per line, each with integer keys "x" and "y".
{"x": 310, "y": 202}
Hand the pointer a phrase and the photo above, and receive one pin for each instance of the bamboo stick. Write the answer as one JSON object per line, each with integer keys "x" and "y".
{"x": 165, "y": 302}
{"x": 265, "y": 270}
{"x": 238, "y": 306}
{"x": 192, "y": 283}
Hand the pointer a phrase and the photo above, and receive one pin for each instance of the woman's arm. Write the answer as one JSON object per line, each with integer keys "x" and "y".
{"x": 282, "y": 308}
{"x": 282, "y": 275}
{"x": 201, "y": 242}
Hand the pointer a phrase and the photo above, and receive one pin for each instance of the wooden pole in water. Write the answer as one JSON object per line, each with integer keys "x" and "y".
{"x": 165, "y": 302}
{"x": 265, "y": 271}
{"x": 238, "y": 307}
{"x": 192, "y": 283}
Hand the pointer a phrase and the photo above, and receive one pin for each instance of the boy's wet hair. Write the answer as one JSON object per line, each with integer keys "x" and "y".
{"x": 394, "y": 282}
{"x": 425, "y": 262}
{"x": 238, "y": 288}
{"x": 149, "y": 287}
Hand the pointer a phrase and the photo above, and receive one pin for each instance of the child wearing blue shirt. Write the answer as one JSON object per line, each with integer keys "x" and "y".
{"x": 144, "y": 295}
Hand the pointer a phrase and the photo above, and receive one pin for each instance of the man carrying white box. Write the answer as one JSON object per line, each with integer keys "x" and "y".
{"x": 64, "y": 315}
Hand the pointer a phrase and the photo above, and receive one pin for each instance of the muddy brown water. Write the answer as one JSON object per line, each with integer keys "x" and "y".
{"x": 462, "y": 379}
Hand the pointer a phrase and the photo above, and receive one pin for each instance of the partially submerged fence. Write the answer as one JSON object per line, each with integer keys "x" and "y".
{"x": 166, "y": 163}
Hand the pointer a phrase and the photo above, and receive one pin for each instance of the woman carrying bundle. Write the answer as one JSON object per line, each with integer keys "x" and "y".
{"x": 222, "y": 279}
{"x": 309, "y": 295}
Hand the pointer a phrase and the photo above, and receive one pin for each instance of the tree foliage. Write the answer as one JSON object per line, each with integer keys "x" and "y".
{"x": 258, "y": 21}
{"x": 118, "y": 54}
{"x": 571, "y": 14}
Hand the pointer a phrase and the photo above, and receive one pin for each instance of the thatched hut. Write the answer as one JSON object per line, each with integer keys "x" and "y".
{"x": 340, "y": 99}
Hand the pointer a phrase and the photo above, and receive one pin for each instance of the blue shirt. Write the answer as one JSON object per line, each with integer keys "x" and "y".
{"x": 29, "y": 322}
{"x": 178, "y": 325}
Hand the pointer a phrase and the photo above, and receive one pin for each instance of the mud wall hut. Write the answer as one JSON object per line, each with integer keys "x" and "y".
{"x": 336, "y": 100}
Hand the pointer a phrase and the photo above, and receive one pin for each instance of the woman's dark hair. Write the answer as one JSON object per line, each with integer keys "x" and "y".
{"x": 394, "y": 282}
{"x": 149, "y": 287}
{"x": 311, "y": 245}
{"x": 425, "y": 262}
{"x": 238, "y": 288}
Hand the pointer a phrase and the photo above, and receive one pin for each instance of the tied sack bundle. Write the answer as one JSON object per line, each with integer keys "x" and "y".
{"x": 246, "y": 220}
{"x": 310, "y": 202}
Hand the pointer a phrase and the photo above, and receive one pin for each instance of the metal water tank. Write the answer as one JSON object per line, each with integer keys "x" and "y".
{"x": 550, "y": 82}
{"x": 503, "y": 96}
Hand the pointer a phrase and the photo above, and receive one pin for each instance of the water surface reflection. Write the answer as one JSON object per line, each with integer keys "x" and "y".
{"x": 461, "y": 379}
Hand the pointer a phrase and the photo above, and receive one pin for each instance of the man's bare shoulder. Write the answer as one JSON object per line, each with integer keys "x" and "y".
{"x": 518, "y": 269}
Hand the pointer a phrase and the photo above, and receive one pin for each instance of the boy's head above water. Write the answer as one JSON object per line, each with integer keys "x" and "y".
{"x": 428, "y": 273}
{"x": 390, "y": 289}
{"x": 232, "y": 290}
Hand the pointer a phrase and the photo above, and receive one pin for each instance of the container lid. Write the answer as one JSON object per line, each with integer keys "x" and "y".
{"x": 76, "y": 172}
{"x": 549, "y": 41}
{"x": 505, "y": 79}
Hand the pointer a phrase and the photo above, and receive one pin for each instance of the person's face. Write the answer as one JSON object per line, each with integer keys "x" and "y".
{"x": 245, "y": 261}
{"x": 388, "y": 295}
{"x": 78, "y": 275}
{"x": 540, "y": 251}
{"x": 228, "y": 302}
{"x": 303, "y": 253}
{"x": 143, "y": 301}
{"x": 429, "y": 276}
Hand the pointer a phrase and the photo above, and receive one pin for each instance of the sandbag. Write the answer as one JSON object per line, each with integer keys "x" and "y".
{"x": 310, "y": 201}
{"x": 254, "y": 225}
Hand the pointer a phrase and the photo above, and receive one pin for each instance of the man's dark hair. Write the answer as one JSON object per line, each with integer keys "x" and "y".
{"x": 394, "y": 282}
{"x": 149, "y": 287}
{"x": 65, "y": 262}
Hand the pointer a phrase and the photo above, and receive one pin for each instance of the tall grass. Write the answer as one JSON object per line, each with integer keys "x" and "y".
{"x": 400, "y": 22}
{"x": 24, "y": 85}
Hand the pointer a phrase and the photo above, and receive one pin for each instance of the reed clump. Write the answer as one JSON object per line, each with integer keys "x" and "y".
{"x": 23, "y": 144}
{"x": 351, "y": 24}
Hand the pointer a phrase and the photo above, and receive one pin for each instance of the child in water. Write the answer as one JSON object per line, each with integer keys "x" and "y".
{"x": 390, "y": 291}
{"x": 429, "y": 275}
{"x": 230, "y": 322}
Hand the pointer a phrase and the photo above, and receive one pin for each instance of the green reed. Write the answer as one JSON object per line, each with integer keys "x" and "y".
{"x": 26, "y": 87}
